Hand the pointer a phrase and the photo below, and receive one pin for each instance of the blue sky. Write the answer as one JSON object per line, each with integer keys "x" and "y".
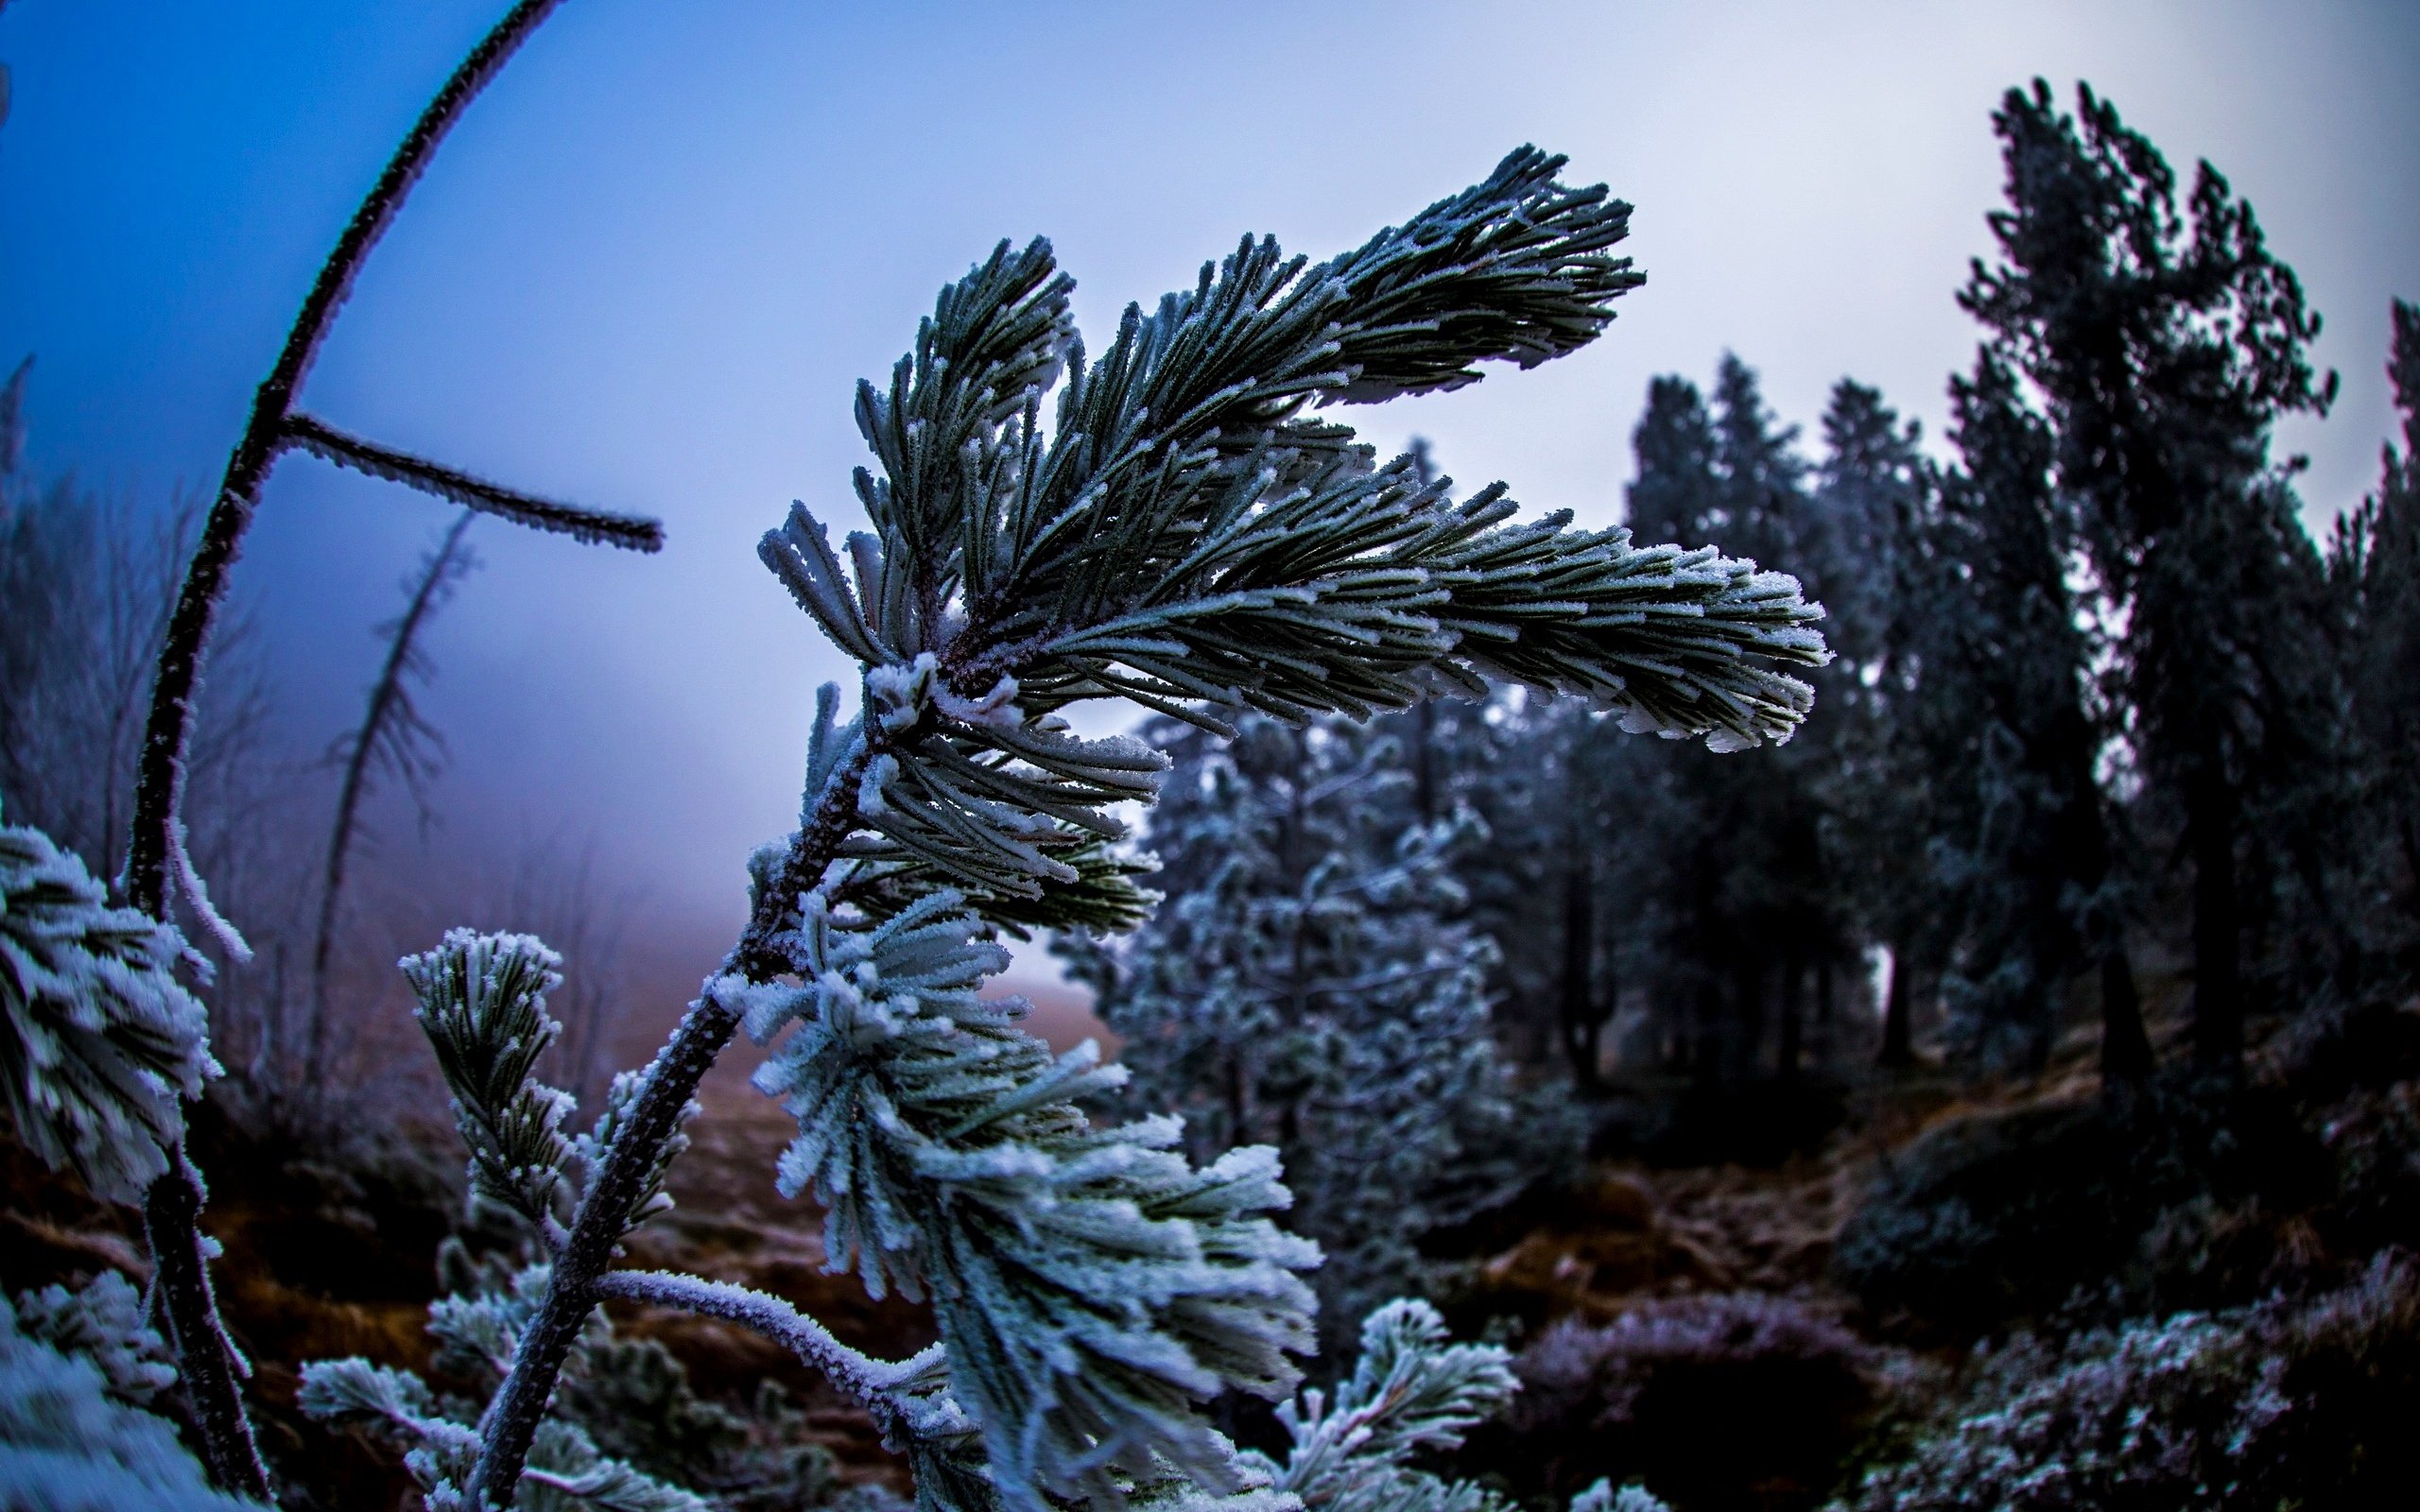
{"x": 646, "y": 270}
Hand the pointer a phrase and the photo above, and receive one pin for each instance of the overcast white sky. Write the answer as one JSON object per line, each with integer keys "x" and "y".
{"x": 649, "y": 267}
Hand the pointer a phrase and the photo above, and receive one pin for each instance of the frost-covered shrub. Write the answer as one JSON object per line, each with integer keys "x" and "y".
{"x": 2157, "y": 1204}
{"x": 100, "y": 1044}
{"x": 103, "y": 1323}
{"x": 1410, "y": 1392}
{"x": 482, "y": 1004}
{"x": 69, "y": 1444}
{"x": 627, "y": 1432}
{"x": 1412, "y": 1395}
{"x": 2288, "y": 1404}
{"x": 1663, "y": 1394}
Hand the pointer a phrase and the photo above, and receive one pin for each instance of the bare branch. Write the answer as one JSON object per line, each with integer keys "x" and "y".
{"x": 159, "y": 788}
{"x": 595, "y": 527}
{"x": 205, "y": 1360}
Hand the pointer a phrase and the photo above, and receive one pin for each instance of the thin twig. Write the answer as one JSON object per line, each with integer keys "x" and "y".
{"x": 865, "y": 1379}
{"x": 596, "y": 526}
{"x": 205, "y": 1360}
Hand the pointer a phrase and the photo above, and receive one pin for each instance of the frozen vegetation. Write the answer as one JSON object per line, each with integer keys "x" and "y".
{"x": 1970, "y": 1061}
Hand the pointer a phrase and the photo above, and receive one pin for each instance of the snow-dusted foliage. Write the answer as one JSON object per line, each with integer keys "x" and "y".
{"x": 1602, "y": 1497}
{"x": 483, "y": 1007}
{"x": 104, "y": 1322}
{"x": 1089, "y": 1283}
{"x": 1309, "y": 983}
{"x": 68, "y": 1443}
{"x": 564, "y": 1469}
{"x": 2286, "y": 1404}
{"x": 627, "y": 1432}
{"x": 1412, "y": 1393}
{"x": 1185, "y": 535}
{"x": 101, "y": 1043}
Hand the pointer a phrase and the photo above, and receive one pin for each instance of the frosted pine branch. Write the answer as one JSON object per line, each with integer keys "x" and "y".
{"x": 102, "y": 1044}
{"x": 1182, "y": 535}
{"x": 867, "y": 1381}
{"x": 1089, "y": 1283}
{"x": 1411, "y": 1390}
{"x": 483, "y": 1007}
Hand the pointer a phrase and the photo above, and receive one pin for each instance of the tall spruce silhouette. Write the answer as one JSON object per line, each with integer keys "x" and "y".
{"x": 2166, "y": 341}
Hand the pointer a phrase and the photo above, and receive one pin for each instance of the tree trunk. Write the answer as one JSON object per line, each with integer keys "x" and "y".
{"x": 1747, "y": 1037}
{"x": 2217, "y": 968}
{"x": 2125, "y": 1049}
{"x": 1712, "y": 1031}
{"x": 1899, "y": 1038}
{"x": 2411, "y": 861}
{"x": 1579, "y": 998}
{"x": 1238, "y": 1103}
{"x": 1794, "y": 983}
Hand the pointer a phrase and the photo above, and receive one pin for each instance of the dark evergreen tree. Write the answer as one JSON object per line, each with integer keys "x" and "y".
{"x": 1874, "y": 497}
{"x": 1748, "y": 907}
{"x": 2376, "y": 560}
{"x": 1674, "y": 498}
{"x": 2023, "y": 834}
{"x": 2164, "y": 344}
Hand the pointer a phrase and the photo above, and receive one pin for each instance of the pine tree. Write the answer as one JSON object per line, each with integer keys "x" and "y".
{"x": 394, "y": 742}
{"x": 2165, "y": 345}
{"x": 1184, "y": 536}
{"x": 2376, "y": 562}
{"x": 1183, "y": 532}
{"x": 1567, "y": 810}
{"x": 1736, "y": 854}
{"x": 2002, "y": 716}
{"x": 1872, "y": 792}
{"x": 1309, "y": 986}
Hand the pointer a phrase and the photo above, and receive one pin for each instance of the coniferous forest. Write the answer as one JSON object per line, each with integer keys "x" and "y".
{"x": 1888, "y": 980}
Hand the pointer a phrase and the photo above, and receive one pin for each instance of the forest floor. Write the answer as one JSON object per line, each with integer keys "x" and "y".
{"x": 330, "y": 1242}
{"x": 329, "y": 1251}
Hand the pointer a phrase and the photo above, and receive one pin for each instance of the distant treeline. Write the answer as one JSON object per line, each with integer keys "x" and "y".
{"x": 2105, "y": 727}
